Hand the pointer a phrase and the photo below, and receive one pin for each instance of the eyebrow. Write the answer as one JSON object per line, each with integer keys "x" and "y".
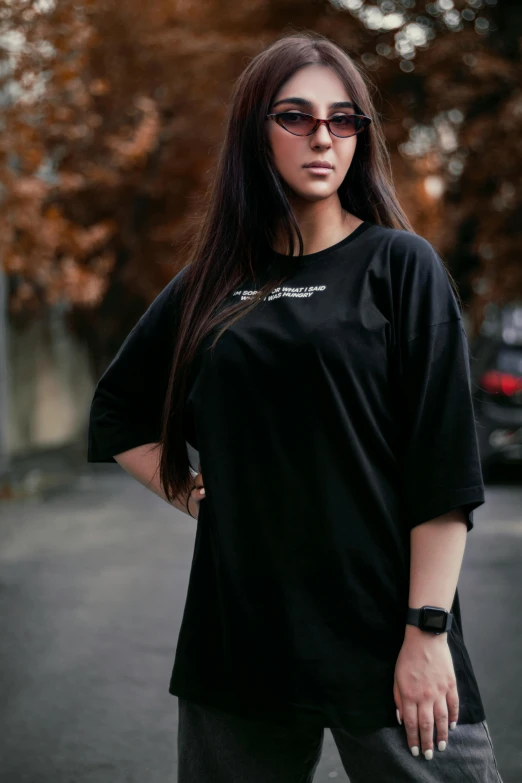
{"x": 309, "y": 105}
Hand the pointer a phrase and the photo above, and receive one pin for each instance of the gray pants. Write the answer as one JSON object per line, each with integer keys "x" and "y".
{"x": 216, "y": 747}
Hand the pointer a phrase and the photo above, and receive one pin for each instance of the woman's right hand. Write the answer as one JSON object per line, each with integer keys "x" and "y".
{"x": 196, "y": 495}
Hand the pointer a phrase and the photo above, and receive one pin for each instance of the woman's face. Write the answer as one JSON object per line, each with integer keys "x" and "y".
{"x": 317, "y": 87}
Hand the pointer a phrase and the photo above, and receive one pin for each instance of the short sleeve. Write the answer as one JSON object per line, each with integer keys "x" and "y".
{"x": 127, "y": 406}
{"x": 439, "y": 459}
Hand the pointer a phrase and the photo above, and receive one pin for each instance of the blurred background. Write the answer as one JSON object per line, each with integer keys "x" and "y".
{"x": 111, "y": 117}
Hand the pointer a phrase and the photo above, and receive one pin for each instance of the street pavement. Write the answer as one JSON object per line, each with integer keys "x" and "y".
{"x": 93, "y": 579}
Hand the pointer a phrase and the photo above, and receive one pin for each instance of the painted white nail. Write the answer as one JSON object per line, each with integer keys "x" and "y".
{"x": 428, "y": 754}
{"x": 201, "y": 491}
{"x": 453, "y": 725}
{"x": 415, "y": 750}
{"x": 398, "y": 717}
{"x": 442, "y": 745}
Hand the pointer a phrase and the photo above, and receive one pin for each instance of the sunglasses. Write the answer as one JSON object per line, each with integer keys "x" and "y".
{"x": 300, "y": 124}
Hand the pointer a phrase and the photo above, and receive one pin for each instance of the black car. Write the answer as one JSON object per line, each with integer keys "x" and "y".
{"x": 496, "y": 372}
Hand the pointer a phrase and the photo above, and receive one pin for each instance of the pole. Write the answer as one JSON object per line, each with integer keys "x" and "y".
{"x": 4, "y": 382}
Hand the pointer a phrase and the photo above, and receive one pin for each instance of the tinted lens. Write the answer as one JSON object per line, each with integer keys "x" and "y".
{"x": 345, "y": 125}
{"x": 295, "y": 122}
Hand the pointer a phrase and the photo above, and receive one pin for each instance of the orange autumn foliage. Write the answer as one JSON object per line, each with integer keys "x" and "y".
{"x": 113, "y": 119}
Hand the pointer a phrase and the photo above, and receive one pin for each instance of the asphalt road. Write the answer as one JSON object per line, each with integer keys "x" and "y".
{"x": 93, "y": 581}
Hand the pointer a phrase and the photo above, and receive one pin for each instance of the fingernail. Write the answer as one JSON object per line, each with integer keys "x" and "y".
{"x": 428, "y": 754}
{"x": 201, "y": 491}
{"x": 398, "y": 717}
{"x": 442, "y": 745}
{"x": 453, "y": 725}
{"x": 415, "y": 750}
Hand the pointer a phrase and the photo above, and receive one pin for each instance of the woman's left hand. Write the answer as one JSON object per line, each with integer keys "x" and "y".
{"x": 425, "y": 689}
{"x": 197, "y": 493}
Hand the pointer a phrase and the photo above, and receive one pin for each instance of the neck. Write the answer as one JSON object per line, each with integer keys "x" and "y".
{"x": 321, "y": 223}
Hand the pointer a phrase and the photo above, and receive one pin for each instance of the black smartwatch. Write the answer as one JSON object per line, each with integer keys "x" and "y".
{"x": 430, "y": 618}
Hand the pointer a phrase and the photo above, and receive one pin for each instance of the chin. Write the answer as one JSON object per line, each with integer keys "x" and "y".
{"x": 314, "y": 195}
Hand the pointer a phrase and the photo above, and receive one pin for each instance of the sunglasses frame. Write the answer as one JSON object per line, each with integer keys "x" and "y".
{"x": 318, "y": 122}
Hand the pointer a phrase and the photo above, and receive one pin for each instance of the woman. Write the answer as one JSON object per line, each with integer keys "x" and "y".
{"x": 327, "y": 392}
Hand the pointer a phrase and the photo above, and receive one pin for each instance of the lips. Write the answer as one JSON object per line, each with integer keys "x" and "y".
{"x": 318, "y": 164}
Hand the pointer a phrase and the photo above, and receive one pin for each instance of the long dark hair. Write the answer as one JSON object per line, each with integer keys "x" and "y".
{"x": 247, "y": 206}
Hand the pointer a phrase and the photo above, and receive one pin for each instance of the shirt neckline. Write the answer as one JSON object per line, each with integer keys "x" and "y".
{"x": 321, "y": 254}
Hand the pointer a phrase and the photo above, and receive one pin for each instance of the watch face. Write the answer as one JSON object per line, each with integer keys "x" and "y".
{"x": 433, "y": 619}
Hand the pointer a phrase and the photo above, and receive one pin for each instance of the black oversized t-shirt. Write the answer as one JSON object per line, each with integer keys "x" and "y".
{"x": 329, "y": 421}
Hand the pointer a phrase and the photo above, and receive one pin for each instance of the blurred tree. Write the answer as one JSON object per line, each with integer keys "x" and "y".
{"x": 112, "y": 117}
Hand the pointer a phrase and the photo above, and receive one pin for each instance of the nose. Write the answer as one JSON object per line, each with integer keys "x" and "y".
{"x": 321, "y": 137}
